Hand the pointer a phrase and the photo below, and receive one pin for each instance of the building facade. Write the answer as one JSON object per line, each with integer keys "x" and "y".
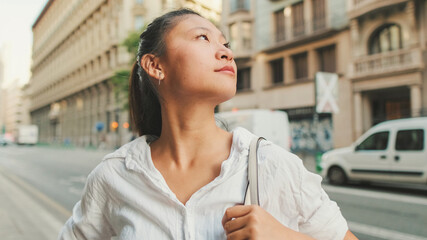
{"x": 2, "y": 125}
{"x": 15, "y": 104}
{"x": 76, "y": 50}
{"x": 280, "y": 45}
{"x": 388, "y": 67}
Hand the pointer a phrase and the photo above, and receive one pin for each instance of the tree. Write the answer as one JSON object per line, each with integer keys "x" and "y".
{"x": 120, "y": 79}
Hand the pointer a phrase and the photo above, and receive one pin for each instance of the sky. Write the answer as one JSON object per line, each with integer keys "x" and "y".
{"x": 16, "y": 20}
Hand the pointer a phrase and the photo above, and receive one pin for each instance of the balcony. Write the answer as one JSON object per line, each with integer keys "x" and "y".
{"x": 239, "y": 5}
{"x": 358, "y": 8}
{"x": 298, "y": 34}
{"x": 293, "y": 27}
{"x": 387, "y": 63}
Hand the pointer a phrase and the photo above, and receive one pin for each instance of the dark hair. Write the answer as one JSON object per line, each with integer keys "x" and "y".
{"x": 144, "y": 99}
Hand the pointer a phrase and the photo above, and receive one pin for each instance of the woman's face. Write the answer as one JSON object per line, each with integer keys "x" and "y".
{"x": 197, "y": 62}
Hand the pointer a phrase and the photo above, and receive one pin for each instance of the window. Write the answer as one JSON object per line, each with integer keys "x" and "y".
{"x": 237, "y": 5}
{"x": 300, "y": 66}
{"x": 277, "y": 70}
{"x": 377, "y": 141}
{"x": 243, "y": 79}
{"x": 139, "y": 22}
{"x": 139, "y": 1}
{"x": 319, "y": 18}
{"x": 246, "y": 35}
{"x": 298, "y": 19}
{"x": 108, "y": 121}
{"x": 234, "y": 36}
{"x": 327, "y": 61}
{"x": 386, "y": 38}
{"x": 410, "y": 140}
{"x": 279, "y": 22}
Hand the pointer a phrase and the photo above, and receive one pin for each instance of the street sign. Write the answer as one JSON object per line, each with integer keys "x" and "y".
{"x": 99, "y": 126}
{"x": 326, "y": 92}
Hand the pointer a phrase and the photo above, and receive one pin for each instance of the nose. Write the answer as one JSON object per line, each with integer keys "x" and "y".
{"x": 224, "y": 53}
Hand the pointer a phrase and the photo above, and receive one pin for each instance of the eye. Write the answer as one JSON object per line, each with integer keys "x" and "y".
{"x": 204, "y": 37}
{"x": 227, "y": 45}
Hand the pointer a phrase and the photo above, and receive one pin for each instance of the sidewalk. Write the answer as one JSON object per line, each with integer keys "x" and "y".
{"x": 25, "y": 213}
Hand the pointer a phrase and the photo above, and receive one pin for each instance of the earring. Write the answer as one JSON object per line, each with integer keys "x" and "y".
{"x": 160, "y": 77}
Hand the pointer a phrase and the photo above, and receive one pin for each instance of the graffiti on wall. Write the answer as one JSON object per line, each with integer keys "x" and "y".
{"x": 305, "y": 133}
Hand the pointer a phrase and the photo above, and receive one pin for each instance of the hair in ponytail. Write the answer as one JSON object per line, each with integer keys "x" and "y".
{"x": 144, "y": 99}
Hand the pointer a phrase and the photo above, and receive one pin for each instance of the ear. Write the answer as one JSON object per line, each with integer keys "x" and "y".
{"x": 151, "y": 66}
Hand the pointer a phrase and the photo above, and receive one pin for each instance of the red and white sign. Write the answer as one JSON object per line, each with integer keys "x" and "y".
{"x": 326, "y": 92}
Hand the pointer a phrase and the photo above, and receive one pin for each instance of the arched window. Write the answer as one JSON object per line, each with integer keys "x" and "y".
{"x": 386, "y": 38}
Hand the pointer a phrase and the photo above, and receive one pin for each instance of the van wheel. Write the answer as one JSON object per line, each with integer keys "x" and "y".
{"x": 337, "y": 176}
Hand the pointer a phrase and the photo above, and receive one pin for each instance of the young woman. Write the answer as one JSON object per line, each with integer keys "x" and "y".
{"x": 185, "y": 178}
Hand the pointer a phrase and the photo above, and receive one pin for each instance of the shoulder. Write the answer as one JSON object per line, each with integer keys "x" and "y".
{"x": 271, "y": 157}
{"x": 270, "y": 153}
{"x": 120, "y": 163}
{"x": 279, "y": 163}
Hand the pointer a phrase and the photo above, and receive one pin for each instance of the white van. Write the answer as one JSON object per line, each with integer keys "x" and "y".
{"x": 392, "y": 151}
{"x": 271, "y": 124}
{"x": 28, "y": 134}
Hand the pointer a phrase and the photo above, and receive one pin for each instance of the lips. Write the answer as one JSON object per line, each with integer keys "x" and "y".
{"x": 226, "y": 69}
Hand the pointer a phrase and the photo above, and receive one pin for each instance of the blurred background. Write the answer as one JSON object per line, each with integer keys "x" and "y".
{"x": 336, "y": 68}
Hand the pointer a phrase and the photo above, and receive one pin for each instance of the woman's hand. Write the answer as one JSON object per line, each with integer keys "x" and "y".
{"x": 253, "y": 222}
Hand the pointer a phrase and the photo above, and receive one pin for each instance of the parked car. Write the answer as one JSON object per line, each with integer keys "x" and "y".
{"x": 392, "y": 151}
{"x": 270, "y": 124}
{"x": 3, "y": 141}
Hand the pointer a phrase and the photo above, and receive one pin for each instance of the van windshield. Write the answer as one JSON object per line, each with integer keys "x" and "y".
{"x": 376, "y": 141}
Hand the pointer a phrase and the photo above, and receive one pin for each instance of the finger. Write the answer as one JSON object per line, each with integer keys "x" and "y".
{"x": 236, "y": 224}
{"x": 239, "y": 235}
{"x": 234, "y": 212}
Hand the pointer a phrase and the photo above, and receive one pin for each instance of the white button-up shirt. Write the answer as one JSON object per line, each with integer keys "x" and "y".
{"x": 126, "y": 197}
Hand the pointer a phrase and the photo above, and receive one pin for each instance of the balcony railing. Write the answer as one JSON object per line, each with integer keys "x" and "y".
{"x": 236, "y": 5}
{"x": 386, "y": 63}
{"x": 298, "y": 29}
{"x": 358, "y": 3}
{"x": 319, "y": 23}
{"x": 357, "y": 8}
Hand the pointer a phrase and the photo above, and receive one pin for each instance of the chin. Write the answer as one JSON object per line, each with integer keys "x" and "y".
{"x": 227, "y": 94}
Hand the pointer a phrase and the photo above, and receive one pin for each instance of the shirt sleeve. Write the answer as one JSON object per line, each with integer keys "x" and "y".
{"x": 321, "y": 217}
{"x": 88, "y": 220}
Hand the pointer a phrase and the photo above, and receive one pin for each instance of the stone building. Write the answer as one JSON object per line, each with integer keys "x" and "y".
{"x": 15, "y": 104}
{"x": 2, "y": 124}
{"x": 388, "y": 67}
{"x": 376, "y": 47}
{"x": 76, "y": 50}
{"x": 279, "y": 46}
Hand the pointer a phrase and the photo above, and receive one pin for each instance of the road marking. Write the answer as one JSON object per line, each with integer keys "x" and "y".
{"x": 22, "y": 216}
{"x": 381, "y": 232}
{"x": 376, "y": 195}
{"x": 49, "y": 201}
{"x": 75, "y": 191}
{"x": 78, "y": 179}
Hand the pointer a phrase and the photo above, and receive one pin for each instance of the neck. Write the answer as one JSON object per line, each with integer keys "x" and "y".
{"x": 191, "y": 135}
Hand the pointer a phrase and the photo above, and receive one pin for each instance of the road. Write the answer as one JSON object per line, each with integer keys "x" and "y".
{"x": 40, "y": 185}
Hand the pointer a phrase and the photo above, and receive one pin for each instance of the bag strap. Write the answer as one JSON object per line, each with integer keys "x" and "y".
{"x": 252, "y": 194}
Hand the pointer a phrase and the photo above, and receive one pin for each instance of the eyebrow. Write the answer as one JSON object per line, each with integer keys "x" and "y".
{"x": 207, "y": 29}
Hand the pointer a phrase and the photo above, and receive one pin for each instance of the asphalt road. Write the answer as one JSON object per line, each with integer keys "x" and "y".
{"x": 46, "y": 183}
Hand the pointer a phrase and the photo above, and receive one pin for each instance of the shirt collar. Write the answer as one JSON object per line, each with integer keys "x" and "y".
{"x": 137, "y": 154}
